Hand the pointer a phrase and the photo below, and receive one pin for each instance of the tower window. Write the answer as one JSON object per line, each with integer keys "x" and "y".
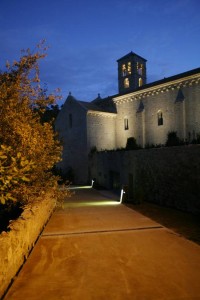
{"x": 70, "y": 120}
{"x": 140, "y": 81}
{"x": 140, "y": 68}
{"x": 126, "y": 123}
{"x": 160, "y": 118}
{"x": 129, "y": 68}
{"x": 126, "y": 83}
{"x": 124, "y": 71}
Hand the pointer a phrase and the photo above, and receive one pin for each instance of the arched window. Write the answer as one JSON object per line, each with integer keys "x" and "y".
{"x": 129, "y": 67}
{"x": 126, "y": 83}
{"x": 160, "y": 118}
{"x": 140, "y": 69}
{"x": 140, "y": 82}
{"x": 124, "y": 71}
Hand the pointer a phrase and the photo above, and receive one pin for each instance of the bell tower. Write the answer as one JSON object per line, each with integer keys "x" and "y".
{"x": 131, "y": 72}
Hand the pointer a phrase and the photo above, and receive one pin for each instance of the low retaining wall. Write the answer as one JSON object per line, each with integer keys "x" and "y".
{"x": 16, "y": 244}
{"x": 166, "y": 176}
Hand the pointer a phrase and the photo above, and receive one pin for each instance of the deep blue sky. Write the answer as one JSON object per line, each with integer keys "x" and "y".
{"x": 86, "y": 37}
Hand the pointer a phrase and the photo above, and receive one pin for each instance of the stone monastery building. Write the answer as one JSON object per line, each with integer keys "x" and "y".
{"x": 144, "y": 111}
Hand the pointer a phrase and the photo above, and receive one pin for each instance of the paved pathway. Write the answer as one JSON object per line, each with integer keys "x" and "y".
{"x": 98, "y": 249}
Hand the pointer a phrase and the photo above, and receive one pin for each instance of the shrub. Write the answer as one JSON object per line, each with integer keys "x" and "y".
{"x": 172, "y": 139}
{"x": 131, "y": 144}
{"x": 29, "y": 148}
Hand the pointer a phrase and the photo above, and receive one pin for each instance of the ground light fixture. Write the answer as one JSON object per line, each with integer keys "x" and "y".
{"x": 121, "y": 195}
{"x": 102, "y": 202}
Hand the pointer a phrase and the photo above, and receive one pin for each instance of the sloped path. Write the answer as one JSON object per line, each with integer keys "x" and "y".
{"x": 98, "y": 249}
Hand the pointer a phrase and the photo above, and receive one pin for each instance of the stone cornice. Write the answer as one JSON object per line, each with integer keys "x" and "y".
{"x": 102, "y": 113}
{"x": 158, "y": 89}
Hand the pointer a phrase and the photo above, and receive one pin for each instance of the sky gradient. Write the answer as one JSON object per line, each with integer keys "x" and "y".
{"x": 86, "y": 37}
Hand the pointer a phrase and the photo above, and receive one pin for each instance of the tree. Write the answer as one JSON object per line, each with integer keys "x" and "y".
{"x": 29, "y": 148}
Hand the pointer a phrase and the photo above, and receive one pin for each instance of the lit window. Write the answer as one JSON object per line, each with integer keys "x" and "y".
{"x": 124, "y": 72}
{"x": 125, "y": 123}
{"x": 140, "y": 82}
{"x": 140, "y": 68}
{"x": 70, "y": 120}
{"x": 129, "y": 67}
{"x": 126, "y": 83}
{"x": 160, "y": 118}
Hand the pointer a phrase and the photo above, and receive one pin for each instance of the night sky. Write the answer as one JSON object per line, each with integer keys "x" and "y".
{"x": 86, "y": 37}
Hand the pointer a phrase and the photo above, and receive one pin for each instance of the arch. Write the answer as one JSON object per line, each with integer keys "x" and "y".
{"x": 140, "y": 82}
{"x": 126, "y": 83}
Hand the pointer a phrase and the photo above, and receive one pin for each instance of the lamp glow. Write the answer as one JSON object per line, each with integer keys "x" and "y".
{"x": 121, "y": 196}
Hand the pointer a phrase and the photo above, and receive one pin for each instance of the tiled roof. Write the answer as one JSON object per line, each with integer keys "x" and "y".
{"x": 90, "y": 106}
{"x": 106, "y": 104}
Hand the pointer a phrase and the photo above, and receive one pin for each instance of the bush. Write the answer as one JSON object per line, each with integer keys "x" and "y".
{"x": 29, "y": 148}
{"x": 172, "y": 139}
{"x": 131, "y": 144}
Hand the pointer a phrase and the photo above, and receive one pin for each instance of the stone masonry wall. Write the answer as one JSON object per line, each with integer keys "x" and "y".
{"x": 100, "y": 131}
{"x": 184, "y": 118}
{"x": 73, "y": 136}
{"x": 16, "y": 244}
{"x": 166, "y": 176}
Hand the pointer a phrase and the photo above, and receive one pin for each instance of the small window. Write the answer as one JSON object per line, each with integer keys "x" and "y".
{"x": 160, "y": 118}
{"x": 140, "y": 82}
{"x": 140, "y": 69}
{"x": 70, "y": 120}
{"x": 126, "y": 83}
{"x": 125, "y": 123}
{"x": 124, "y": 72}
{"x": 129, "y": 68}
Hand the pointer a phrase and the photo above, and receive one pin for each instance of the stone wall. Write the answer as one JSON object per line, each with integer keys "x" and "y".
{"x": 16, "y": 244}
{"x": 71, "y": 126}
{"x": 181, "y": 116}
{"x": 166, "y": 176}
{"x": 101, "y": 131}
{"x": 127, "y": 111}
{"x": 192, "y": 107}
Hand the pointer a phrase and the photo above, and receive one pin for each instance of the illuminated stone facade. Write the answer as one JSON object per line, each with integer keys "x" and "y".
{"x": 146, "y": 112}
{"x": 82, "y": 126}
{"x": 172, "y": 104}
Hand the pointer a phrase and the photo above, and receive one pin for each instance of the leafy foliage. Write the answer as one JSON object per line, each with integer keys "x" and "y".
{"x": 29, "y": 147}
